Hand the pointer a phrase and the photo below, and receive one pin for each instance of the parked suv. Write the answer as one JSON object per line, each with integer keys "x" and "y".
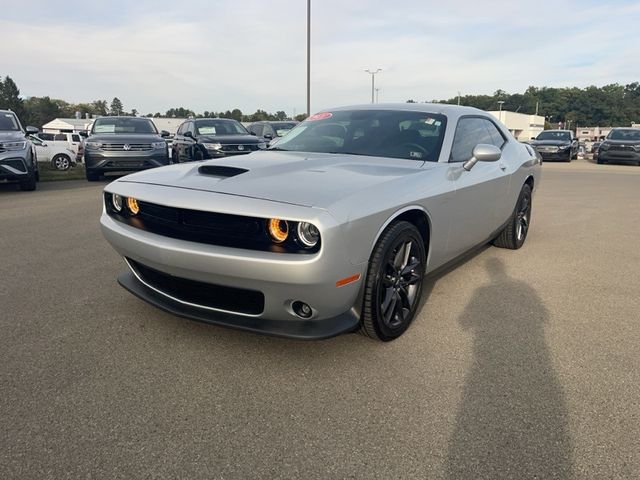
{"x": 17, "y": 154}
{"x": 621, "y": 145}
{"x": 70, "y": 141}
{"x": 556, "y": 145}
{"x": 123, "y": 144}
{"x": 202, "y": 138}
{"x": 270, "y": 130}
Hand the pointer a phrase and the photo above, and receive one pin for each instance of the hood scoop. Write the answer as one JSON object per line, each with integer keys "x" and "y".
{"x": 221, "y": 171}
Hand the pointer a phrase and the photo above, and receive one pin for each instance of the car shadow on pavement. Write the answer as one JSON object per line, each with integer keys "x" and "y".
{"x": 512, "y": 421}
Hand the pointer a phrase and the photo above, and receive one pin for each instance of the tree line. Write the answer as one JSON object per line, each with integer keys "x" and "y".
{"x": 38, "y": 111}
{"x": 611, "y": 105}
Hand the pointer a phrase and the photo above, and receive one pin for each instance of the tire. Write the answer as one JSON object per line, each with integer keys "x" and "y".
{"x": 600, "y": 162}
{"x": 61, "y": 162}
{"x": 385, "y": 284}
{"x": 29, "y": 185}
{"x": 174, "y": 157}
{"x": 197, "y": 155}
{"x": 515, "y": 232}
{"x": 92, "y": 175}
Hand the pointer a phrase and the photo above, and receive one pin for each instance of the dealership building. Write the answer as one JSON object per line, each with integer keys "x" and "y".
{"x": 523, "y": 126}
{"x": 76, "y": 125}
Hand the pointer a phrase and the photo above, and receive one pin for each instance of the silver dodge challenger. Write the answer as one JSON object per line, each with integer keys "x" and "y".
{"x": 333, "y": 229}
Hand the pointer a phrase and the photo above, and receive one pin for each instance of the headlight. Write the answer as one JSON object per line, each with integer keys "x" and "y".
{"x": 212, "y": 146}
{"x": 116, "y": 202}
{"x": 133, "y": 206}
{"x": 162, "y": 144}
{"x": 636, "y": 148}
{"x": 308, "y": 234}
{"x": 93, "y": 145}
{"x": 14, "y": 145}
{"x": 262, "y": 145}
{"x": 278, "y": 229}
{"x": 564, "y": 147}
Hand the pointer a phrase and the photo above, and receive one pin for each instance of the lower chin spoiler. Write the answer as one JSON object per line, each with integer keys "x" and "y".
{"x": 297, "y": 329}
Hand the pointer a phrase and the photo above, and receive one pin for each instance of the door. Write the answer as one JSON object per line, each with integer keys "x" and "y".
{"x": 480, "y": 192}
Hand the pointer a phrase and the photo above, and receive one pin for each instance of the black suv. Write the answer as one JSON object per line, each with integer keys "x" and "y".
{"x": 17, "y": 154}
{"x": 202, "y": 138}
{"x": 270, "y": 130}
{"x": 123, "y": 144}
{"x": 556, "y": 145}
{"x": 621, "y": 145}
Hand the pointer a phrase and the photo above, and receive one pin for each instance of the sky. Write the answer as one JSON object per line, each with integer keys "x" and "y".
{"x": 222, "y": 54}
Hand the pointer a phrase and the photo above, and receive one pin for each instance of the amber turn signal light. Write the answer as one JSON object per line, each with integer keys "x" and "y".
{"x": 133, "y": 206}
{"x": 278, "y": 229}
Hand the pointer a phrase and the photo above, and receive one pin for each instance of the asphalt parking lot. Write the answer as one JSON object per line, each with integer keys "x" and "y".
{"x": 520, "y": 365}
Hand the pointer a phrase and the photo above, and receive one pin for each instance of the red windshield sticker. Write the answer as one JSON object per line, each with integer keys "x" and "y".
{"x": 319, "y": 116}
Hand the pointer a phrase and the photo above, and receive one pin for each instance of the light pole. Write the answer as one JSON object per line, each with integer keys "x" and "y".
{"x": 458, "y": 98}
{"x": 373, "y": 81}
{"x": 500, "y": 103}
{"x": 308, "y": 57}
{"x": 377, "y": 92}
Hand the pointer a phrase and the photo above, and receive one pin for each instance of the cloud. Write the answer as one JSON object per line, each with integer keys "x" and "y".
{"x": 208, "y": 55}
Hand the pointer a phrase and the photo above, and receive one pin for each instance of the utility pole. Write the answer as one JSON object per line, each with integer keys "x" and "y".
{"x": 373, "y": 81}
{"x": 308, "y": 57}
{"x": 500, "y": 103}
{"x": 458, "y": 98}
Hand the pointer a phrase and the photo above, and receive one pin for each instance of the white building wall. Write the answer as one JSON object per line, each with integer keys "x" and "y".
{"x": 523, "y": 126}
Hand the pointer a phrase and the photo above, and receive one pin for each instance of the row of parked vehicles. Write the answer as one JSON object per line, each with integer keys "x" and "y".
{"x": 621, "y": 145}
{"x": 125, "y": 144}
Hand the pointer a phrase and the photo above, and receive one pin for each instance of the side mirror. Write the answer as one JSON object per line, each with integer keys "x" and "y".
{"x": 164, "y": 134}
{"x": 268, "y": 136}
{"x": 533, "y": 138}
{"x": 253, "y": 133}
{"x": 188, "y": 134}
{"x": 31, "y": 130}
{"x": 483, "y": 153}
{"x": 83, "y": 134}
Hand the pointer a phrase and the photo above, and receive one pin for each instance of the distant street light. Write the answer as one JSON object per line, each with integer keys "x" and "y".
{"x": 500, "y": 103}
{"x": 308, "y": 57}
{"x": 373, "y": 82}
{"x": 377, "y": 92}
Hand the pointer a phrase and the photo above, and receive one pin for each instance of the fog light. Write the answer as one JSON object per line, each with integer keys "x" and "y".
{"x": 132, "y": 203}
{"x": 116, "y": 201}
{"x": 278, "y": 229}
{"x": 301, "y": 309}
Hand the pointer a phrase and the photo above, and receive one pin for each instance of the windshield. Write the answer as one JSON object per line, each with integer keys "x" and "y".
{"x": 554, "y": 135}
{"x": 123, "y": 125}
{"x": 220, "y": 127}
{"x": 381, "y": 133}
{"x": 8, "y": 121}
{"x": 628, "y": 134}
{"x": 282, "y": 128}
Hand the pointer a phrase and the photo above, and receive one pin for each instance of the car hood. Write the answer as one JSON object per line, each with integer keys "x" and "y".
{"x": 11, "y": 136}
{"x": 621, "y": 142}
{"x": 298, "y": 178}
{"x": 124, "y": 138}
{"x": 230, "y": 139}
{"x": 550, "y": 143}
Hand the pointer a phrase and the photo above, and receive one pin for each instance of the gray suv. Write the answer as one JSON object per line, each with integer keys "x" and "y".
{"x": 123, "y": 144}
{"x": 17, "y": 154}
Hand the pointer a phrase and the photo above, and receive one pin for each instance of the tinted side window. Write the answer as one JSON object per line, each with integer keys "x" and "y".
{"x": 75, "y": 138}
{"x": 469, "y": 133}
{"x": 497, "y": 138}
{"x": 60, "y": 137}
{"x": 257, "y": 129}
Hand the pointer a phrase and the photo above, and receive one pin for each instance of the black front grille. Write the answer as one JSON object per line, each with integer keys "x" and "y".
{"x": 237, "y": 231}
{"x": 622, "y": 148}
{"x": 240, "y": 300}
{"x": 241, "y": 148}
{"x": 121, "y": 147}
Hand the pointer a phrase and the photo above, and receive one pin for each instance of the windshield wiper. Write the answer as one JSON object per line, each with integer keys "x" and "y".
{"x": 278, "y": 149}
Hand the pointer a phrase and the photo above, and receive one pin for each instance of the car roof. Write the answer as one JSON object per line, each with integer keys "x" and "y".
{"x": 442, "y": 108}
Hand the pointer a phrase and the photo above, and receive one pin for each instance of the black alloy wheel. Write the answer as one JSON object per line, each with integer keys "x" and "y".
{"x": 515, "y": 232}
{"x": 394, "y": 282}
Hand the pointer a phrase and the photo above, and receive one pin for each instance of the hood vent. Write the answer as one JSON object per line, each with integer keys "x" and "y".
{"x": 221, "y": 171}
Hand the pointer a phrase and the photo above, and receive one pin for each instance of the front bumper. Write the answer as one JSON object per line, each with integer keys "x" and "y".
{"x": 618, "y": 156}
{"x": 563, "y": 155}
{"x": 13, "y": 168}
{"x": 282, "y": 278}
{"x": 125, "y": 161}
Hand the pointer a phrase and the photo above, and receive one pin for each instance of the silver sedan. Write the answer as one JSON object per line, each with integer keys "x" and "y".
{"x": 330, "y": 231}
